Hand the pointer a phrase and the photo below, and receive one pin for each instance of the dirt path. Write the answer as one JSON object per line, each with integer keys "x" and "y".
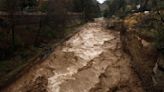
{"x": 91, "y": 61}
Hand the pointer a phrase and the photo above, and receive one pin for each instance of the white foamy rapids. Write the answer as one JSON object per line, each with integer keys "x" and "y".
{"x": 58, "y": 78}
{"x": 87, "y": 44}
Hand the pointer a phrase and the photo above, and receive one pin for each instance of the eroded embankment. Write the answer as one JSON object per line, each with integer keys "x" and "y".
{"x": 91, "y": 61}
{"x": 140, "y": 42}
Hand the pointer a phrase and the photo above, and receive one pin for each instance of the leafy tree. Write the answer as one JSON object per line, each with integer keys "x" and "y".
{"x": 11, "y": 7}
{"x": 144, "y": 4}
{"x": 116, "y": 6}
{"x": 43, "y": 6}
{"x": 89, "y": 8}
{"x": 57, "y": 16}
{"x": 27, "y": 3}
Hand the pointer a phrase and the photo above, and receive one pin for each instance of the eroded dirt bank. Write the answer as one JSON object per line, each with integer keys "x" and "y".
{"x": 91, "y": 61}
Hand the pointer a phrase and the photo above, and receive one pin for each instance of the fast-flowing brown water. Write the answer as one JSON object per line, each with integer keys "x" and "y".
{"x": 91, "y": 61}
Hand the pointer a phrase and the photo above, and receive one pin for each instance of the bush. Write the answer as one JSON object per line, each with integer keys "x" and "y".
{"x": 160, "y": 39}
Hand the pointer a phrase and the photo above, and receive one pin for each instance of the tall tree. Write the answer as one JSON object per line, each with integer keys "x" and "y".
{"x": 58, "y": 15}
{"x": 89, "y": 8}
{"x": 143, "y": 4}
{"x": 11, "y": 7}
{"x": 115, "y": 6}
{"x": 27, "y": 4}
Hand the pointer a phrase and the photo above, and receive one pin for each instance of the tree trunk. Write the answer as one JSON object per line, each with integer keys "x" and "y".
{"x": 13, "y": 36}
{"x": 144, "y": 5}
{"x": 12, "y": 28}
{"x": 38, "y": 33}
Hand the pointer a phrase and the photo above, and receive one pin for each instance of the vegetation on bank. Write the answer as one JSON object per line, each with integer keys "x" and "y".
{"x": 141, "y": 27}
{"x": 146, "y": 15}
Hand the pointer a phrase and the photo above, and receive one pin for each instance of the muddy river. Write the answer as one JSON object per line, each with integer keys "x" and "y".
{"x": 90, "y": 61}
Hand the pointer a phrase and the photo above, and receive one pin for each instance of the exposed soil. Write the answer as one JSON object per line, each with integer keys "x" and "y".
{"x": 91, "y": 61}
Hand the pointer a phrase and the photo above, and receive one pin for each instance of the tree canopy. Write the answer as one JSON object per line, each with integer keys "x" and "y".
{"x": 89, "y": 8}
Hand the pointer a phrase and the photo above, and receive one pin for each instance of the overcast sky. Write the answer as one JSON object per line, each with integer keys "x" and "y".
{"x": 101, "y": 1}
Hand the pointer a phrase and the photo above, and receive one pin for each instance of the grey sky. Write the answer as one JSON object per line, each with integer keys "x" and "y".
{"x": 101, "y": 1}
